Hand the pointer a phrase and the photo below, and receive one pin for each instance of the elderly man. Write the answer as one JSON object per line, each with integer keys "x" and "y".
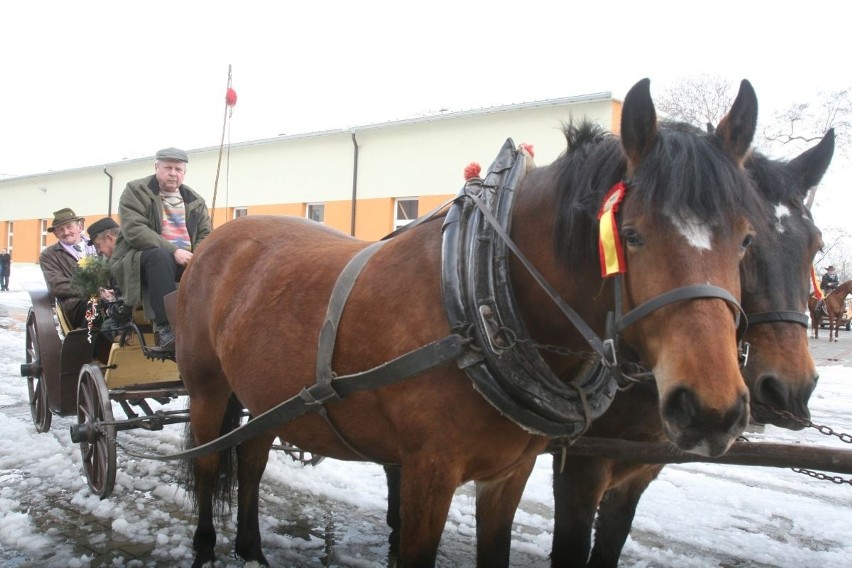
{"x": 162, "y": 221}
{"x": 59, "y": 263}
{"x": 102, "y": 235}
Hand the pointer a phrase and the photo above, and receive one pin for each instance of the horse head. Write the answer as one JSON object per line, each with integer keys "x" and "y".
{"x": 780, "y": 372}
{"x": 689, "y": 217}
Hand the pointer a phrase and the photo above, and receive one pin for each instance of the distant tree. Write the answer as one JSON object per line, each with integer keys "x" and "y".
{"x": 835, "y": 252}
{"x": 703, "y": 99}
{"x": 803, "y": 124}
{"x": 697, "y": 100}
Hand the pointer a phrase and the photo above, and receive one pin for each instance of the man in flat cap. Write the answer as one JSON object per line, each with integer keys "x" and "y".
{"x": 59, "y": 263}
{"x": 162, "y": 221}
{"x": 102, "y": 235}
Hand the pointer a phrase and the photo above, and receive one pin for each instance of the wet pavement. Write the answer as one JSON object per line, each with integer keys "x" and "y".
{"x": 95, "y": 540}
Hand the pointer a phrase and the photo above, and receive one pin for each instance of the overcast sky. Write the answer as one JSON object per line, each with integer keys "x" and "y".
{"x": 93, "y": 82}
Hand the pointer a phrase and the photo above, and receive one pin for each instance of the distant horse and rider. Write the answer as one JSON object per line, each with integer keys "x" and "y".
{"x": 831, "y": 306}
{"x": 638, "y": 238}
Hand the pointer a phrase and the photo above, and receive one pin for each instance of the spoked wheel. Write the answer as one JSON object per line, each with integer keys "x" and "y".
{"x": 36, "y": 385}
{"x": 97, "y": 440}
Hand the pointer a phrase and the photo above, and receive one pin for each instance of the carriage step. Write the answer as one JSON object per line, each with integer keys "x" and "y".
{"x": 158, "y": 355}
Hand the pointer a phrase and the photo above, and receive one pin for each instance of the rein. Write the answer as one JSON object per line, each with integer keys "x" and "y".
{"x": 505, "y": 366}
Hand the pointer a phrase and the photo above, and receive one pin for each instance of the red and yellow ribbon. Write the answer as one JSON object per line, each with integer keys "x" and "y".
{"x": 817, "y": 290}
{"x": 611, "y": 251}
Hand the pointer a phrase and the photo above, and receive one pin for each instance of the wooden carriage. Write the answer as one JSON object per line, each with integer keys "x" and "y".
{"x": 80, "y": 372}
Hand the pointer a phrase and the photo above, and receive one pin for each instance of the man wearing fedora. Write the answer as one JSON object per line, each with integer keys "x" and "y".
{"x": 59, "y": 263}
{"x": 162, "y": 222}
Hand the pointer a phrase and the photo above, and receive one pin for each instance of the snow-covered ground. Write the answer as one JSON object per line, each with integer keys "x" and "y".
{"x": 694, "y": 515}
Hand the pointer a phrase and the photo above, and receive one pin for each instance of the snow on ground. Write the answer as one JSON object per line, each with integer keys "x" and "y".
{"x": 694, "y": 515}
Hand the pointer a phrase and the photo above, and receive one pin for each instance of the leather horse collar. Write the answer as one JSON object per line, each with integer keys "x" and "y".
{"x": 507, "y": 368}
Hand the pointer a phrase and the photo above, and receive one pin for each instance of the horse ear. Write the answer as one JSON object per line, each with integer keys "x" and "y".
{"x": 737, "y": 128}
{"x": 811, "y": 165}
{"x": 638, "y": 122}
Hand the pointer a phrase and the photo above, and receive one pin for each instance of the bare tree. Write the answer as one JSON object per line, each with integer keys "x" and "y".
{"x": 703, "y": 99}
{"x": 835, "y": 252}
{"x": 697, "y": 100}
{"x": 802, "y": 124}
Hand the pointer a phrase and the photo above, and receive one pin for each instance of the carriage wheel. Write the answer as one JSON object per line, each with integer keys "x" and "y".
{"x": 98, "y": 444}
{"x": 36, "y": 385}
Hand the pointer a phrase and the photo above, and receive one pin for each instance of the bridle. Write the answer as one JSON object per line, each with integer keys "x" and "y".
{"x": 511, "y": 375}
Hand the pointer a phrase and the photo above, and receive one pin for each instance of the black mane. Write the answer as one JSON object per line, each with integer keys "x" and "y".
{"x": 686, "y": 175}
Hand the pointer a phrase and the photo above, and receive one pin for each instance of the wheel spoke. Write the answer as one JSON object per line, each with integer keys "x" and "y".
{"x": 98, "y": 453}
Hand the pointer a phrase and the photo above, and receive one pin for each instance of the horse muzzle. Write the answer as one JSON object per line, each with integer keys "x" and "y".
{"x": 696, "y": 429}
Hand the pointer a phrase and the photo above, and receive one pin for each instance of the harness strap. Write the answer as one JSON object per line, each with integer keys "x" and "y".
{"x": 312, "y": 398}
{"x": 684, "y": 293}
{"x": 339, "y": 295}
{"x": 587, "y": 332}
{"x": 778, "y": 316}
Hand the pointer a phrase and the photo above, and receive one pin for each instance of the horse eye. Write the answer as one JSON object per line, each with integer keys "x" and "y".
{"x": 632, "y": 237}
{"x": 748, "y": 241}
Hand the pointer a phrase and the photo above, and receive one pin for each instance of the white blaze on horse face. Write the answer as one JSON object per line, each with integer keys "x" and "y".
{"x": 698, "y": 234}
{"x": 781, "y": 211}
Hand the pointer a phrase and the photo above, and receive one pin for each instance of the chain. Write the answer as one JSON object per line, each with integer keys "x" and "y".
{"x": 827, "y": 430}
{"x": 817, "y": 475}
{"x": 822, "y": 429}
{"x": 558, "y": 349}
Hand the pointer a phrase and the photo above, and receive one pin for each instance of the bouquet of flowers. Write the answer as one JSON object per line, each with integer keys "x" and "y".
{"x": 92, "y": 275}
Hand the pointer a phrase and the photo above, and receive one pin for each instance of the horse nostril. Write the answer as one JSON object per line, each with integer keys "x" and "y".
{"x": 681, "y": 407}
{"x": 771, "y": 392}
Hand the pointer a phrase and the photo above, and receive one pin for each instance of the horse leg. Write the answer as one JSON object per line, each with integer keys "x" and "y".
{"x": 252, "y": 458}
{"x": 426, "y": 493}
{"x": 615, "y": 517}
{"x": 393, "y": 474}
{"x": 496, "y": 503}
{"x": 577, "y": 490}
{"x": 206, "y": 421}
{"x": 213, "y": 410}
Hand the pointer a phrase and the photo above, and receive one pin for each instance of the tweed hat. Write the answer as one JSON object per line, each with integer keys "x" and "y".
{"x": 173, "y": 154}
{"x": 63, "y": 217}
{"x": 99, "y": 227}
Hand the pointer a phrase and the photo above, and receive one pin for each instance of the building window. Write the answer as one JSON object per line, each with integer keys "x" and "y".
{"x": 10, "y": 234}
{"x": 405, "y": 212}
{"x": 43, "y": 234}
{"x": 315, "y": 212}
{"x": 240, "y": 212}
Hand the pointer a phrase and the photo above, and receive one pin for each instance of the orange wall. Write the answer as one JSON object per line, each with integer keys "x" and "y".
{"x": 374, "y": 220}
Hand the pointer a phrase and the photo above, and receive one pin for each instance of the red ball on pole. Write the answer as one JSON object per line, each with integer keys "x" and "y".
{"x": 231, "y": 97}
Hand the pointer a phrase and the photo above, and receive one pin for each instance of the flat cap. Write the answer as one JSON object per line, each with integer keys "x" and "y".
{"x": 173, "y": 154}
{"x": 99, "y": 227}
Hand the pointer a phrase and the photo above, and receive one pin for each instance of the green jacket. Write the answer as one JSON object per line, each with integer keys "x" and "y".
{"x": 141, "y": 212}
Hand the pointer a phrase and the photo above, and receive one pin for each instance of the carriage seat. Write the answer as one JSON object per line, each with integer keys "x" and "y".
{"x": 64, "y": 323}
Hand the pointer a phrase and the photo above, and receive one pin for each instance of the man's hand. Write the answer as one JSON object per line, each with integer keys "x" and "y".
{"x": 182, "y": 257}
{"x": 107, "y": 295}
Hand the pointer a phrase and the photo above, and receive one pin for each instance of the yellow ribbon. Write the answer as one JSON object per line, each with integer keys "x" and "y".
{"x": 609, "y": 245}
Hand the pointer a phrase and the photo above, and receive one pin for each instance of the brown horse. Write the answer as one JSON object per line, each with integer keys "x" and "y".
{"x": 780, "y": 372}
{"x": 834, "y": 302}
{"x": 253, "y": 301}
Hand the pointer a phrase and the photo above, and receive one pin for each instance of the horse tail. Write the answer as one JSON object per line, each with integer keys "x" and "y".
{"x": 226, "y": 480}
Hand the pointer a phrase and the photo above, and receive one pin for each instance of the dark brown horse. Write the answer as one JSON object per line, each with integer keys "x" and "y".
{"x": 253, "y": 300}
{"x": 834, "y": 303}
{"x": 780, "y": 372}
